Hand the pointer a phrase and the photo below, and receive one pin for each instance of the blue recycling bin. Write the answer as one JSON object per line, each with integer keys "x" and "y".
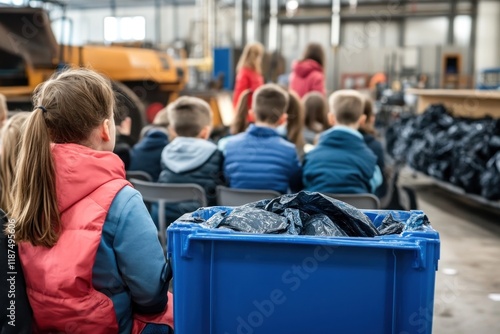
{"x": 231, "y": 282}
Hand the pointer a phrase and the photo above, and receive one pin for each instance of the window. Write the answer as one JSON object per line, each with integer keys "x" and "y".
{"x": 124, "y": 28}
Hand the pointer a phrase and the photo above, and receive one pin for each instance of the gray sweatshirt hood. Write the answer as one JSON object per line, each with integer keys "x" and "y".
{"x": 184, "y": 154}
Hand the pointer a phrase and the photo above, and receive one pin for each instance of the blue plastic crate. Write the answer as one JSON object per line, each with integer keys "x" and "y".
{"x": 227, "y": 282}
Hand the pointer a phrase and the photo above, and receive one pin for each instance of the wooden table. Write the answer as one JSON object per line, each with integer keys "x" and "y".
{"x": 461, "y": 102}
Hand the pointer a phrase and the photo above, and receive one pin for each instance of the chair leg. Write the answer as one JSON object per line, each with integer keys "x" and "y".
{"x": 162, "y": 225}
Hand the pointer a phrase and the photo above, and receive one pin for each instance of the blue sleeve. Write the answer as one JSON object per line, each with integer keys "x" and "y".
{"x": 376, "y": 179}
{"x": 139, "y": 255}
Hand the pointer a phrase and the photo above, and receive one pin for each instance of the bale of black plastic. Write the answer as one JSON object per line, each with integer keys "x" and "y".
{"x": 490, "y": 180}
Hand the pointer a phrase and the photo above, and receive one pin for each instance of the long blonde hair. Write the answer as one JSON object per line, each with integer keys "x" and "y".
{"x": 69, "y": 107}
{"x": 252, "y": 57}
{"x": 11, "y": 143}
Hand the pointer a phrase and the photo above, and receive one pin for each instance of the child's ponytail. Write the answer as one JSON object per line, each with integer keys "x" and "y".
{"x": 240, "y": 122}
{"x": 295, "y": 121}
{"x": 35, "y": 202}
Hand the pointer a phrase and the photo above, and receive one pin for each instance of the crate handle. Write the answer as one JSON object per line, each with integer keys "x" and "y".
{"x": 418, "y": 246}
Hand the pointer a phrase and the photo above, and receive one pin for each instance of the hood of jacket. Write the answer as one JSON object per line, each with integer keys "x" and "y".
{"x": 184, "y": 154}
{"x": 154, "y": 139}
{"x": 80, "y": 170}
{"x": 306, "y": 67}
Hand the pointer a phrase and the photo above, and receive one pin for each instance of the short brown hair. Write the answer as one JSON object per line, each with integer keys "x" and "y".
{"x": 269, "y": 103}
{"x": 347, "y": 106}
{"x": 189, "y": 115}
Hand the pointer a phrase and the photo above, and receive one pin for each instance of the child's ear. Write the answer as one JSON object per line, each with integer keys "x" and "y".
{"x": 205, "y": 132}
{"x": 171, "y": 133}
{"x": 331, "y": 119}
{"x": 362, "y": 120}
{"x": 251, "y": 114}
{"x": 283, "y": 119}
{"x": 106, "y": 130}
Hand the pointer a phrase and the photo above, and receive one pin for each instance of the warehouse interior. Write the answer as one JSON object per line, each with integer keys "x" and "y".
{"x": 431, "y": 68}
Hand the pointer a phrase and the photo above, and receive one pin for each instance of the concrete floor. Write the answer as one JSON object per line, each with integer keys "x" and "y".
{"x": 469, "y": 269}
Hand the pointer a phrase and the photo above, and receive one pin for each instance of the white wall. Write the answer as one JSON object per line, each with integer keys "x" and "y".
{"x": 424, "y": 32}
{"x": 89, "y": 24}
{"x": 488, "y": 35}
{"x": 462, "y": 28}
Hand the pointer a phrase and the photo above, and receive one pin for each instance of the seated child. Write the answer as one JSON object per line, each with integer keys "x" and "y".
{"x": 83, "y": 232}
{"x": 146, "y": 154}
{"x": 341, "y": 163}
{"x": 260, "y": 158}
{"x": 367, "y": 129}
{"x": 190, "y": 157}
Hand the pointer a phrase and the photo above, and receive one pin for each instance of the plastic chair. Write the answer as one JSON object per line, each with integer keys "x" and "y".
{"x": 360, "y": 201}
{"x": 163, "y": 193}
{"x": 139, "y": 175}
{"x": 235, "y": 197}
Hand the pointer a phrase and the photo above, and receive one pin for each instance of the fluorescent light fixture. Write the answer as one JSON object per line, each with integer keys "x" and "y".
{"x": 292, "y": 5}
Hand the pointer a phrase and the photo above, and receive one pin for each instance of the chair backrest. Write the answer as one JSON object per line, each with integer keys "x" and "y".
{"x": 235, "y": 197}
{"x": 139, "y": 175}
{"x": 163, "y": 193}
{"x": 360, "y": 201}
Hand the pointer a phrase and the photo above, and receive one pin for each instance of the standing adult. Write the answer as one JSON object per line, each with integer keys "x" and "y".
{"x": 308, "y": 73}
{"x": 249, "y": 72}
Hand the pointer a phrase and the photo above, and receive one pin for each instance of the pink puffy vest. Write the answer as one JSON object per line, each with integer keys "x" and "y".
{"x": 59, "y": 279}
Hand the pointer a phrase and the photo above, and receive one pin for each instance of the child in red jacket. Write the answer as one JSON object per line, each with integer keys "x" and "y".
{"x": 308, "y": 74}
{"x": 249, "y": 72}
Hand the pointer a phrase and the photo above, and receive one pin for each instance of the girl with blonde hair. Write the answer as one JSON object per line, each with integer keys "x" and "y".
{"x": 249, "y": 72}
{"x": 10, "y": 138}
{"x": 84, "y": 233}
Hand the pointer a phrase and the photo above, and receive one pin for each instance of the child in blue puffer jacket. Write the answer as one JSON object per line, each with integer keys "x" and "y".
{"x": 260, "y": 158}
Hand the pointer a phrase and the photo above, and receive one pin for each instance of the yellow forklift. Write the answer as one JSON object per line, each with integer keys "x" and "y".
{"x": 30, "y": 54}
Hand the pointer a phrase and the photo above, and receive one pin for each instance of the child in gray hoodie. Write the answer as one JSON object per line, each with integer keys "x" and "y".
{"x": 190, "y": 157}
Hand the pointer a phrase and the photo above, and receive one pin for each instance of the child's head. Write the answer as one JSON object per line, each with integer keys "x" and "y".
{"x": 3, "y": 109}
{"x": 316, "y": 118}
{"x": 11, "y": 135}
{"x": 269, "y": 105}
{"x": 314, "y": 51}
{"x": 251, "y": 57}
{"x": 75, "y": 106}
{"x": 189, "y": 117}
{"x": 346, "y": 108}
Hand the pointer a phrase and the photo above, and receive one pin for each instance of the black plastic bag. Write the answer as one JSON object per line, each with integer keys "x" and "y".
{"x": 304, "y": 213}
{"x": 490, "y": 180}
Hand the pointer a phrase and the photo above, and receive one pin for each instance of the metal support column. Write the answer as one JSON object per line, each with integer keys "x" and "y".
{"x": 335, "y": 25}
{"x": 451, "y": 22}
{"x": 472, "y": 48}
{"x": 273, "y": 26}
{"x": 240, "y": 36}
{"x": 257, "y": 20}
{"x": 158, "y": 7}
{"x": 175, "y": 19}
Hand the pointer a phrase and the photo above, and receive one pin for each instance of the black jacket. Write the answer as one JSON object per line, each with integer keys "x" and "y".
{"x": 14, "y": 303}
